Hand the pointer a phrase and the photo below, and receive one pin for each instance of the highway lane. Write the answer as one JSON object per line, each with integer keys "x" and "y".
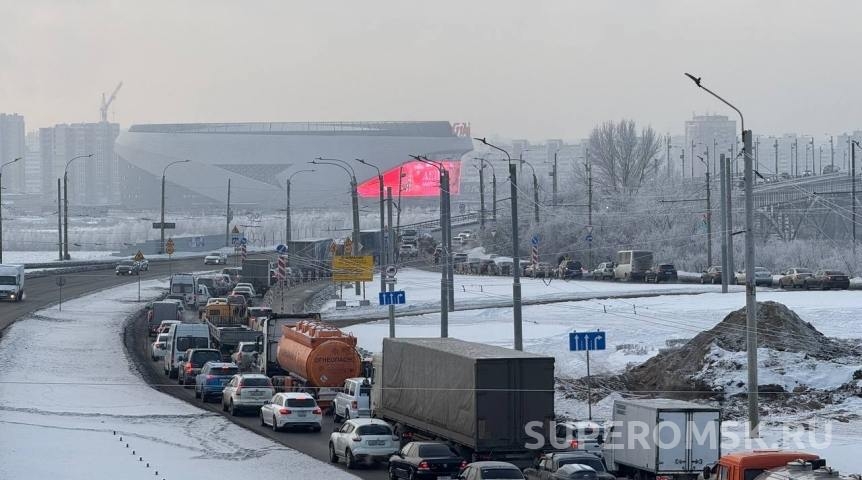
{"x": 42, "y": 292}
{"x": 314, "y": 444}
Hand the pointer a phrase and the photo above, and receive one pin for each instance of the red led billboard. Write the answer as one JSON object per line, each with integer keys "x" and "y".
{"x": 418, "y": 180}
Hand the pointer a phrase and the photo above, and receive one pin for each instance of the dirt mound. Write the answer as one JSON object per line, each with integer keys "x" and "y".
{"x": 676, "y": 372}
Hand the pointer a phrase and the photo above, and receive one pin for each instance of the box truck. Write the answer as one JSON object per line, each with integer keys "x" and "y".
{"x": 12, "y": 282}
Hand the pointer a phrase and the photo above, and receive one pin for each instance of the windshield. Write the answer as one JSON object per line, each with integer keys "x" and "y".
{"x": 427, "y": 451}
{"x": 185, "y": 343}
{"x": 593, "y": 463}
{"x": 834, "y": 272}
{"x": 501, "y": 473}
{"x": 126, "y": 263}
{"x": 200, "y": 358}
{"x": 8, "y": 280}
{"x": 374, "y": 430}
{"x": 301, "y": 402}
{"x": 803, "y": 270}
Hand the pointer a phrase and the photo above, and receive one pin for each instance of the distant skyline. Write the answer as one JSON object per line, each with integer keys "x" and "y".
{"x": 534, "y": 70}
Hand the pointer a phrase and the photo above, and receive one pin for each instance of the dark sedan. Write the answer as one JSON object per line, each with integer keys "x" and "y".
{"x": 827, "y": 279}
{"x": 425, "y": 460}
{"x": 128, "y": 267}
{"x": 711, "y": 275}
{"x": 664, "y": 272}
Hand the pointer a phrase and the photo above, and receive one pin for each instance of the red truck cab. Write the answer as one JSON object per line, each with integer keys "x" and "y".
{"x": 747, "y": 465}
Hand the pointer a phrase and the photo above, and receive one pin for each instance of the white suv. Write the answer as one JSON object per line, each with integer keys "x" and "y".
{"x": 362, "y": 439}
{"x": 291, "y": 409}
{"x": 246, "y": 391}
{"x": 217, "y": 258}
{"x": 354, "y": 401}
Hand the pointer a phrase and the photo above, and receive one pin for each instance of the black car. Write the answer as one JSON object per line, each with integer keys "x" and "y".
{"x": 826, "y": 279}
{"x": 128, "y": 267}
{"x": 554, "y": 465}
{"x": 570, "y": 269}
{"x": 425, "y": 460}
{"x": 664, "y": 272}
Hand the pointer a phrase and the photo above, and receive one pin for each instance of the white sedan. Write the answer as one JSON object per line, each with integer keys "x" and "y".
{"x": 158, "y": 349}
{"x": 291, "y": 409}
{"x": 363, "y": 439}
{"x": 216, "y": 258}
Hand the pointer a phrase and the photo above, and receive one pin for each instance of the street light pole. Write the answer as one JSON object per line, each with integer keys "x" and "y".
{"x": 493, "y": 191}
{"x": 516, "y": 259}
{"x": 162, "y": 226}
{"x": 750, "y": 292}
{"x": 555, "y": 173}
{"x": 481, "y": 170}
{"x": 535, "y": 188}
{"x": 287, "y": 218}
{"x": 709, "y": 220}
{"x": 382, "y": 248}
{"x": 1, "y": 204}
{"x": 853, "y": 146}
{"x": 66, "y": 205}
{"x": 354, "y": 195}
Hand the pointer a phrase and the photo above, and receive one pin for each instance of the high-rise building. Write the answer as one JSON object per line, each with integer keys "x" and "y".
{"x": 32, "y": 163}
{"x": 709, "y": 136}
{"x": 92, "y": 181}
{"x": 12, "y": 147}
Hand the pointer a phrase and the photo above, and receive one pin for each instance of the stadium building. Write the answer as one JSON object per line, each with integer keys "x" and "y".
{"x": 259, "y": 157}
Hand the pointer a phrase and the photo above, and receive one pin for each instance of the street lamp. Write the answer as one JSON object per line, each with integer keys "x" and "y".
{"x": 535, "y": 188}
{"x": 66, "y": 205}
{"x": 287, "y": 233}
{"x": 1, "y": 204}
{"x": 516, "y": 259}
{"x": 355, "y": 200}
{"x": 162, "y": 225}
{"x": 382, "y": 254}
{"x": 493, "y": 190}
{"x": 750, "y": 292}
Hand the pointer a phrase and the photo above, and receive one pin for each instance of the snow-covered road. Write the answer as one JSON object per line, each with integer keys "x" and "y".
{"x": 68, "y": 393}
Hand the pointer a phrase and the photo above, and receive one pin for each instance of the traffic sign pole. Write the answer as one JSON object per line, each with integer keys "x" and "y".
{"x": 589, "y": 390}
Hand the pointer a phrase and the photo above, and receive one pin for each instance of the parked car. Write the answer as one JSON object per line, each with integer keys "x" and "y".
{"x": 144, "y": 265}
{"x": 663, "y": 272}
{"x": 539, "y": 270}
{"x": 425, "y": 460}
{"x": 585, "y": 436}
{"x": 491, "y": 471}
{"x": 246, "y": 391}
{"x": 553, "y": 466}
{"x": 569, "y": 269}
{"x": 826, "y": 279}
{"x": 762, "y": 276}
{"x": 127, "y": 267}
{"x": 157, "y": 350}
{"x": 354, "y": 400}
{"x": 291, "y": 409}
{"x": 215, "y": 258}
{"x": 794, "y": 278}
{"x": 711, "y": 275}
{"x": 192, "y": 361}
{"x": 408, "y": 250}
{"x": 604, "y": 271}
{"x": 362, "y": 440}
{"x": 212, "y": 378}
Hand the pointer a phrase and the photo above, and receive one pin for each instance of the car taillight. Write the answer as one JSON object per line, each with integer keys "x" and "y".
{"x": 317, "y": 411}
{"x": 284, "y": 411}
{"x": 463, "y": 464}
{"x": 573, "y": 444}
{"x": 188, "y": 368}
{"x": 423, "y": 465}
{"x": 357, "y": 439}
{"x": 354, "y": 404}
{"x": 210, "y": 377}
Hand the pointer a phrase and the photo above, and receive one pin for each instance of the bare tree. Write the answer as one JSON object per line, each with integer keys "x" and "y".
{"x": 622, "y": 160}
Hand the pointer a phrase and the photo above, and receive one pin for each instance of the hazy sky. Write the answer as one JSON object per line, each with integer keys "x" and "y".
{"x": 532, "y": 69}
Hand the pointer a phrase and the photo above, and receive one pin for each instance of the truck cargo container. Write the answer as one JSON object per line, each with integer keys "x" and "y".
{"x": 227, "y": 327}
{"x": 12, "y": 282}
{"x": 162, "y": 311}
{"x": 662, "y": 438}
{"x": 256, "y": 272}
{"x": 481, "y": 398}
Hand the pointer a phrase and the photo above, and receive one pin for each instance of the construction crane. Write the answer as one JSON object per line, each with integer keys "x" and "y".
{"x": 107, "y": 103}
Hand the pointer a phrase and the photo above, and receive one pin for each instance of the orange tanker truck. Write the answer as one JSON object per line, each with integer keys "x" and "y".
{"x": 301, "y": 353}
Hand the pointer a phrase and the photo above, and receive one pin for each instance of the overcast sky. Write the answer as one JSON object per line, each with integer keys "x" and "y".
{"x": 531, "y": 69}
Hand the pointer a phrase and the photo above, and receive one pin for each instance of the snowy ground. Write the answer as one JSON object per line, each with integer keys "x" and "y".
{"x": 636, "y": 329}
{"x": 68, "y": 393}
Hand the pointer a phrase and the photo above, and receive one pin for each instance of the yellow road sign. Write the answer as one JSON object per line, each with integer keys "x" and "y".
{"x": 169, "y": 246}
{"x": 352, "y": 269}
{"x": 139, "y": 256}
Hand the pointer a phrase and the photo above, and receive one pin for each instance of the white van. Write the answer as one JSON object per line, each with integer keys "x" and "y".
{"x": 12, "y": 282}
{"x": 181, "y": 337}
{"x": 632, "y": 264}
{"x": 184, "y": 284}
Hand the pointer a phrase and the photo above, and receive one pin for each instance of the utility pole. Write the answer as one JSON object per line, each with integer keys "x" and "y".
{"x": 354, "y": 197}
{"x": 796, "y": 155}
{"x": 714, "y": 154}
{"x": 728, "y": 232}
{"x": 450, "y": 273}
{"x": 691, "y": 157}
{"x": 227, "y": 217}
{"x": 382, "y": 250}
{"x": 776, "y": 159}
{"x": 853, "y": 146}
{"x": 709, "y": 218}
{"x": 391, "y": 259}
{"x": 725, "y": 270}
{"x": 162, "y": 226}
{"x": 555, "y": 177}
{"x": 820, "y": 160}
{"x": 667, "y": 158}
{"x": 757, "y": 154}
{"x": 682, "y": 157}
{"x": 535, "y": 198}
{"x": 831, "y": 154}
{"x": 589, "y": 167}
{"x": 482, "y": 196}
{"x": 494, "y": 196}
{"x": 59, "y": 222}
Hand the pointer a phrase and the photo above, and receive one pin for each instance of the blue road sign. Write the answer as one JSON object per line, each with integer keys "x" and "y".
{"x": 534, "y": 240}
{"x": 589, "y": 237}
{"x": 243, "y": 241}
{"x": 392, "y": 298}
{"x": 582, "y": 341}
{"x": 281, "y": 248}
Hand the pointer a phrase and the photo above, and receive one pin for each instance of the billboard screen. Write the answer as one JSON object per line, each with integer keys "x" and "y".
{"x": 418, "y": 180}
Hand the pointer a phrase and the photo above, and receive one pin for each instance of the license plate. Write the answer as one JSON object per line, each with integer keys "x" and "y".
{"x": 444, "y": 477}
{"x": 302, "y": 414}
{"x": 376, "y": 442}
{"x": 255, "y": 394}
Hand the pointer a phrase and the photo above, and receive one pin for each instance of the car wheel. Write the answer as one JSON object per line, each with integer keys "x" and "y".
{"x": 349, "y": 460}
{"x": 232, "y": 409}
{"x": 197, "y": 393}
{"x": 333, "y": 457}
{"x": 223, "y": 406}
{"x": 274, "y": 424}
{"x": 262, "y": 421}
{"x": 701, "y": 281}
{"x": 347, "y": 414}
{"x": 392, "y": 474}
{"x": 336, "y": 417}
{"x": 316, "y": 428}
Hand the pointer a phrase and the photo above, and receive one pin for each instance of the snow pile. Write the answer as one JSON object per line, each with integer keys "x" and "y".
{"x": 792, "y": 357}
{"x": 68, "y": 393}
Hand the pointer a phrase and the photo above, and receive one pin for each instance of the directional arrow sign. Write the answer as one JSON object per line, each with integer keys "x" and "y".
{"x": 582, "y": 341}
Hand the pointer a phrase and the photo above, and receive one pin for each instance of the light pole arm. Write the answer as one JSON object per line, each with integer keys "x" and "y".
{"x": 323, "y": 161}
{"x": 73, "y": 159}
{"x": 9, "y": 163}
{"x": 341, "y": 162}
{"x": 298, "y": 172}
{"x": 696, "y": 81}
{"x": 165, "y": 170}
{"x": 509, "y": 157}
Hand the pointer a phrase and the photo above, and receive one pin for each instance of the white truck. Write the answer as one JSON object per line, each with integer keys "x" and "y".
{"x": 662, "y": 438}
{"x": 12, "y": 282}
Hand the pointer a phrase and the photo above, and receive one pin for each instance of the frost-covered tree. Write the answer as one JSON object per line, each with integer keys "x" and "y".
{"x": 622, "y": 159}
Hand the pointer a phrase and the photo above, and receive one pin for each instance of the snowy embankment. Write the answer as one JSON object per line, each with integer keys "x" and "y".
{"x": 637, "y": 328}
{"x": 68, "y": 393}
